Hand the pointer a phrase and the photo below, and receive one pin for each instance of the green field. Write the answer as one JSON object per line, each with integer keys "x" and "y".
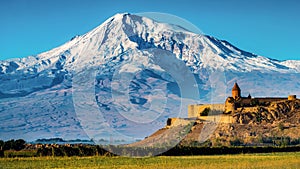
{"x": 270, "y": 160}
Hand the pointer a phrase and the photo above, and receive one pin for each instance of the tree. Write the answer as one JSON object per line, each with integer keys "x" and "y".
{"x": 205, "y": 112}
{"x": 9, "y": 144}
{"x": 14, "y": 144}
{"x": 236, "y": 142}
{"x": 281, "y": 126}
{"x": 1, "y": 144}
{"x": 19, "y": 144}
{"x": 254, "y": 102}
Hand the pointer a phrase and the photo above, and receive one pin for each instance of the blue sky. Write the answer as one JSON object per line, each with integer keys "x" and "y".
{"x": 265, "y": 27}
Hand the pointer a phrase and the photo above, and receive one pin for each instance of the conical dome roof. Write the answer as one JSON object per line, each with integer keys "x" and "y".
{"x": 236, "y": 87}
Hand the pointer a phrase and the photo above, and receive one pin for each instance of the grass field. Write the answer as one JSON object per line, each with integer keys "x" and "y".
{"x": 270, "y": 160}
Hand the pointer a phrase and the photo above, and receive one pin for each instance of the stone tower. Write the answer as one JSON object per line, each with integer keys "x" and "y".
{"x": 236, "y": 91}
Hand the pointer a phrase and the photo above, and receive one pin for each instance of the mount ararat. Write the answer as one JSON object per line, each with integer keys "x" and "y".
{"x": 123, "y": 79}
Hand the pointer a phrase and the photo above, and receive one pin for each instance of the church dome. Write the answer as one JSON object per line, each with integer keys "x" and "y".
{"x": 236, "y": 87}
{"x": 236, "y": 91}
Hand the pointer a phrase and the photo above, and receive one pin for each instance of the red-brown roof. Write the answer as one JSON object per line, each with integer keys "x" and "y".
{"x": 236, "y": 87}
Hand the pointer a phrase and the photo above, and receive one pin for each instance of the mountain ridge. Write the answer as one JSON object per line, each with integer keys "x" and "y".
{"x": 137, "y": 71}
{"x": 224, "y": 45}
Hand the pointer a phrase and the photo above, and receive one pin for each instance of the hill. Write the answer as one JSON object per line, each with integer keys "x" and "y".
{"x": 275, "y": 125}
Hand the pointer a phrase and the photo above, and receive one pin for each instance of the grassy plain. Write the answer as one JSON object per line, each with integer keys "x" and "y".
{"x": 268, "y": 160}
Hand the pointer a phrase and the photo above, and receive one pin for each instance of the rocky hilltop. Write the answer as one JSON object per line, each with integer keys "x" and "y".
{"x": 276, "y": 111}
{"x": 274, "y": 125}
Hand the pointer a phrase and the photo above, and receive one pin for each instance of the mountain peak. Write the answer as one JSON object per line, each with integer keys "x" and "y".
{"x": 41, "y": 88}
{"x": 117, "y": 16}
{"x": 125, "y": 31}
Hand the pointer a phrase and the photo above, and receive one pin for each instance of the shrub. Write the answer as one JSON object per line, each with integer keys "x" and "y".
{"x": 254, "y": 102}
{"x": 280, "y": 126}
{"x": 295, "y": 141}
{"x": 205, "y": 112}
{"x": 19, "y": 144}
{"x": 44, "y": 152}
{"x": 8, "y": 145}
{"x": 236, "y": 142}
{"x": 1, "y": 144}
{"x": 13, "y": 144}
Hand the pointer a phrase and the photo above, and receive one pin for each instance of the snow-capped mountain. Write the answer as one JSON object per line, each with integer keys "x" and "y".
{"x": 123, "y": 79}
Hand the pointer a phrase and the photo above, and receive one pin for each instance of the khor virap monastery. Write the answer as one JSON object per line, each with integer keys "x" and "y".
{"x": 237, "y": 101}
{"x": 234, "y": 104}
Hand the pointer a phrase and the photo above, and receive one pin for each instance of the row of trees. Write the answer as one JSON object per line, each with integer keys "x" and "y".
{"x": 180, "y": 151}
{"x": 149, "y": 151}
{"x": 12, "y": 144}
{"x": 111, "y": 150}
{"x": 80, "y": 150}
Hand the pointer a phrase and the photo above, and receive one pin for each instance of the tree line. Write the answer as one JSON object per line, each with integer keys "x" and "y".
{"x": 12, "y": 144}
{"x": 96, "y": 150}
{"x": 113, "y": 150}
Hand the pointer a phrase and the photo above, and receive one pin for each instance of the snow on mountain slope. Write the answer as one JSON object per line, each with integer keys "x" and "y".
{"x": 293, "y": 64}
{"x": 133, "y": 70}
{"x": 127, "y": 31}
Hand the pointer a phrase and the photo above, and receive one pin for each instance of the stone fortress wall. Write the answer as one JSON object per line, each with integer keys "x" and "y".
{"x": 223, "y": 113}
{"x": 237, "y": 101}
{"x": 215, "y": 113}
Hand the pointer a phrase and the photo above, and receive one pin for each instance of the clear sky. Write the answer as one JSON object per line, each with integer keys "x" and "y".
{"x": 265, "y": 27}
